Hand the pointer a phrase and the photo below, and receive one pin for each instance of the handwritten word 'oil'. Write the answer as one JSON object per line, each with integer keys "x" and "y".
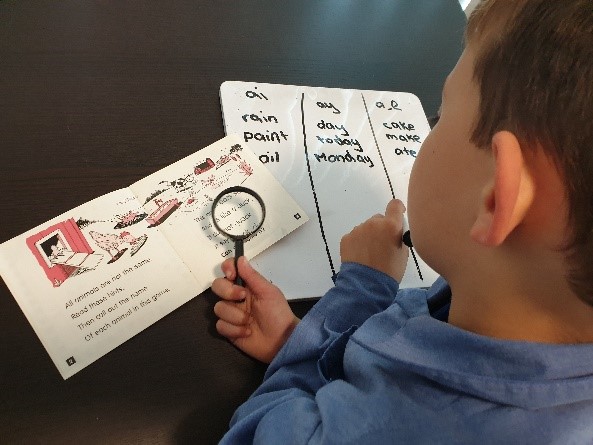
{"x": 273, "y": 136}
{"x": 269, "y": 157}
{"x": 345, "y": 158}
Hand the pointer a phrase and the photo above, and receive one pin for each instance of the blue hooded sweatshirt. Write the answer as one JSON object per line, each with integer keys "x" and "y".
{"x": 369, "y": 364}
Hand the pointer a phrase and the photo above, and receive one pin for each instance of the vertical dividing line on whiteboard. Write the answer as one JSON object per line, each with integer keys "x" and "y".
{"x": 387, "y": 175}
{"x": 331, "y": 264}
{"x": 377, "y": 145}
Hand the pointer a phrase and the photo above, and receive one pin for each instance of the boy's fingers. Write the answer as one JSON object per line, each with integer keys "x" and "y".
{"x": 227, "y": 290}
{"x": 231, "y": 313}
{"x": 228, "y": 268}
{"x": 395, "y": 208}
{"x": 256, "y": 282}
{"x": 231, "y": 331}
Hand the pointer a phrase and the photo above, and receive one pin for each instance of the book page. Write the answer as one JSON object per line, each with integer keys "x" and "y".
{"x": 178, "y": 199}
{"x": 342, "y": 154}
{"x": 93, "y": 277}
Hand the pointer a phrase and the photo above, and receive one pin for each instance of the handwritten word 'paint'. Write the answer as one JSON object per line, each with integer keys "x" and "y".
{"x": 268, "y": 136}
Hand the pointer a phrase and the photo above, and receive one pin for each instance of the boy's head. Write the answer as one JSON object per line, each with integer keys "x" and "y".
{"x": 529, "y": 71}
{"x": 534, "y": 67}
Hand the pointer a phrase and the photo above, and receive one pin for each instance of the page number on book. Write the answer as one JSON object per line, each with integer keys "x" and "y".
{"x": 70, "y": 361}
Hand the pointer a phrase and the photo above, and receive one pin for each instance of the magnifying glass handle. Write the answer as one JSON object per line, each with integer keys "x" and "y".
{"x": 238, "y": 253}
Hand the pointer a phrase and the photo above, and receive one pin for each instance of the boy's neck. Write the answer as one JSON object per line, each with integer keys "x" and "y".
{"x": 538, "y": 308}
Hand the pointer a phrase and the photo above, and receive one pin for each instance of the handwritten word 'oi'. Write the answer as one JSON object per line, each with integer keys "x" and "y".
{"x": 254, "y": 95}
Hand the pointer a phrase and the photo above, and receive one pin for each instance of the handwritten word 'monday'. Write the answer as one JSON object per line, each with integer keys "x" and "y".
{"x": 345, "y": 158}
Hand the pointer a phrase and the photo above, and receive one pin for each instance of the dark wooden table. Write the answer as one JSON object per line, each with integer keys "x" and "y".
{"x": 97, "y": 94}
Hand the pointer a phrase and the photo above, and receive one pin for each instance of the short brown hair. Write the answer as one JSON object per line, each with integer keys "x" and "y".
{"x": 534, "y": 68}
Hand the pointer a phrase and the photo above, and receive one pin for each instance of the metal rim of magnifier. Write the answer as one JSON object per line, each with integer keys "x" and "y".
{"x": 235, "y": 189}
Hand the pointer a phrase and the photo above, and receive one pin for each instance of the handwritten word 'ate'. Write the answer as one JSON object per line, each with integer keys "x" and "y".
{"x": 273, "y": 136}
{"x": 345, "y": 158}
{"x": 405, "y": 151}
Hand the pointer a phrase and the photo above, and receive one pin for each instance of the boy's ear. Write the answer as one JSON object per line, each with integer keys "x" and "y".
{"x": 507, "y": 197}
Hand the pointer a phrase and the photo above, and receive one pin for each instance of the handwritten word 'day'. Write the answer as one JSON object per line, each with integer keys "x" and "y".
{"x": 322, "y": 125}
{"x": 345, "y": 158}
{"x": 268, "y": 136}
{"x": 328, "y": 105}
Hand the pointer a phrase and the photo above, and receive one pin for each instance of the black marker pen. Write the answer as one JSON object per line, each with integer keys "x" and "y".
{"x": 407, "y": 240}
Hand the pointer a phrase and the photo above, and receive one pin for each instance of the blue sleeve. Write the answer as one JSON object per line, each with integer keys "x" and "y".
{"x": 286, "y": 407}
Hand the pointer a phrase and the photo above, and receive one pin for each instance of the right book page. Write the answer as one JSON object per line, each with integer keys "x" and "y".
{"x": 342, "y": 154}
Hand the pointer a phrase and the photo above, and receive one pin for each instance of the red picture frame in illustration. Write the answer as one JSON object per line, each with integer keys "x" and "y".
{"x": 65, "y": 235}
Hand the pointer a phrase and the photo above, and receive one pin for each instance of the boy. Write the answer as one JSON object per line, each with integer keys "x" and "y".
{"x": 501, "y": 205}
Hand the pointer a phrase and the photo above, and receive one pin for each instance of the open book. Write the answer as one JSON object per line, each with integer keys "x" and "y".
{"x": 92, "y": 278}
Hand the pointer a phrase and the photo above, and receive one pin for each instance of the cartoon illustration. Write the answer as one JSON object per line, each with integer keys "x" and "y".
{"x": 62, "y": 251}
{"x": 203, "y": 167}
{"x": 135, "y": 243}
{"x": 246, "y": 168}
{"x": 128, "y": 219}
{"x": 109, "y": 242}
{"x": 180, "y": 184}
{"x": 163, "y": 211}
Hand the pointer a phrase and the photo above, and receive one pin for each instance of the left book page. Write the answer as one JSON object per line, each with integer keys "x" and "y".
{"x": 95, "y": 276}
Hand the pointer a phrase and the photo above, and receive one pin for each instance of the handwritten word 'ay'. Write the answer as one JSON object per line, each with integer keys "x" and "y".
{"x": 328, "y": 105}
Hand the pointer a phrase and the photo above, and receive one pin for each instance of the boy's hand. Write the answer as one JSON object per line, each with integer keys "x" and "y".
{"x": 256, "y": 318}
{"x": 377, "y": 242}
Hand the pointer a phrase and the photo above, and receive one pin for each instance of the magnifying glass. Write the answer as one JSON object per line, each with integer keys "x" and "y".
{"x": 238, "y": 212}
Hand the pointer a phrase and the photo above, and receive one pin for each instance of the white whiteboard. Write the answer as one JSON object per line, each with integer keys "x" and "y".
{"x": 341, "y": 154}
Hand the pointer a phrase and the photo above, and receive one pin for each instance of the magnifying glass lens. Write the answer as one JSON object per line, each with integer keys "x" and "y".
{"x": 238, "y": 214}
